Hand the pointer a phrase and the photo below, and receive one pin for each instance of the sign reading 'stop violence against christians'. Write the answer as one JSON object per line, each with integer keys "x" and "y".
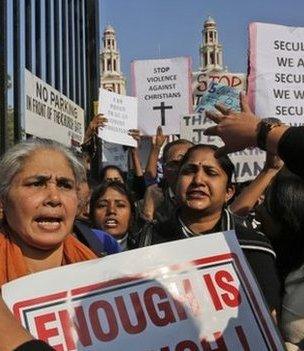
{"x": 190, "y": 295}
{"x": 276, "y": 77}
{"x": 163, "y": 88}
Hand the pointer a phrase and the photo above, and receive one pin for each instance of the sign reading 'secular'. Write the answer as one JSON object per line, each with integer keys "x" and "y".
{"x": 163, "y": 88}
{"x": 50, "y": 114}
{"x": 276, "y": 77}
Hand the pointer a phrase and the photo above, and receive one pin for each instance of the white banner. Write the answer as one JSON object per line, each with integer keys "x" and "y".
{"x": 276, "y": 72}
{"x": 194, "y": 294}
{"x": 121, "y": 112}
{"x": 163, "y": 88}
{"x": 114, "y": 154}
{"x": 49, "y": 114}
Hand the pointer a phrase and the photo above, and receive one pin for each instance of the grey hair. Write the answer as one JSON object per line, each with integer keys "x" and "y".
{"x": 13, "y": 160}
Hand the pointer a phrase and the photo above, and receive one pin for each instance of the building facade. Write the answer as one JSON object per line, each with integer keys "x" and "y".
{"x": 58, "y": 42}
{"x": 111, "y": 76}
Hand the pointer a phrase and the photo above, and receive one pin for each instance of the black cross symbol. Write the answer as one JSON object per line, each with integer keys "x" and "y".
{"x": 162, "y": 109}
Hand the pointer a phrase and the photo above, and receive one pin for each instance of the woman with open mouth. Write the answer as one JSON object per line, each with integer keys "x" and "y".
{"x": 38, "y": 197}
{"x": 203, "y": 188}
{"x": 112, "y": 209}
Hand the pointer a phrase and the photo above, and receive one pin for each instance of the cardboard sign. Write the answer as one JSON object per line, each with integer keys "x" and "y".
{"x": 163, "y": 88}
{"x": 194, "y": 294}
{"x": 114, "y": 154}
{"x": 121, "y": 112}
{"x": 202, "y": 80}
{"x": 276, "y": 72}
{"x": 49, "y": 114}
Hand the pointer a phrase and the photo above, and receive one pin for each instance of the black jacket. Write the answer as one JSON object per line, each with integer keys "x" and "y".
{"x": 291, "y": 149}
{"x": 255, "y": 245}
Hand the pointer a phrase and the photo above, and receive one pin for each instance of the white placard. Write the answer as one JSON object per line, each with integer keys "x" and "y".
{"x": 163, "y": 88}
{"x": 50, "y": 114}
{"x": 194, "y": 294}
{"x": 121, "y": 112}
{"x": 114, "y": 154}
{"x": 276, "y": 77}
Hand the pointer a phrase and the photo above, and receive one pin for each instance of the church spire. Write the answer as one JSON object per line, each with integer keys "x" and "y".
{"x": 111, "y": 76}
{"x": 211, "y": 52}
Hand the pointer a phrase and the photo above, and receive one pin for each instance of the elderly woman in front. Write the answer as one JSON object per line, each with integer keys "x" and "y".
{"x": 38, "y": 196}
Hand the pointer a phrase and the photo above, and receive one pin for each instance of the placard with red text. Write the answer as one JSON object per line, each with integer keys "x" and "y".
{"x": 196, "y": 294}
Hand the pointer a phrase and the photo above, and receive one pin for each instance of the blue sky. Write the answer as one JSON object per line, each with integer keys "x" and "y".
{"x": 172, "y": 28}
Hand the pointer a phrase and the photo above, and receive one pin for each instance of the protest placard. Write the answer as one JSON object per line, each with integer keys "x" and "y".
{"x": 163, "y": 88}
{"x": 276, "y": 72}
{"x": 195, "y": 294}
{"x": 248, "y": 163}
{"x": 202, "y": 80}
{"x": 49, "y": 114}
{"x": 114, "y": 154}
{"x": 121, "y": 112}
{"x": 218, "y": 93}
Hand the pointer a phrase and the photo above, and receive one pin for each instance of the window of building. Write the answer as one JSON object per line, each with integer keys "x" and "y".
{"x": 212, "y": 58}
{"x": 109, "y": 66}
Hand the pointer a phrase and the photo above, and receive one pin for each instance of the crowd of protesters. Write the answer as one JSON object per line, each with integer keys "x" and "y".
{"x": 54, "y": 213}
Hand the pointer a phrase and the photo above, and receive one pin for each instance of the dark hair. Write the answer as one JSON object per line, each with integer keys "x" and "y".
{"x": 284, "y": 201}
{"x": 100, "y": 191}
{"x": 171, "y": 144}
{"x": 104, "y": 170}
{"x": 224, "y": 161}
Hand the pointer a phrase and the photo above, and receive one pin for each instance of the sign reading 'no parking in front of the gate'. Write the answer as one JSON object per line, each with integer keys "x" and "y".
{"x": 163, "y": 88}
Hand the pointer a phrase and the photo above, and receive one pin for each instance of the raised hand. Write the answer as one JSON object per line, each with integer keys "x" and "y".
{"x": 135, "y": 134}
{"x": 237, "y": 130}
{"x": 98, "y": 121}
{"x": 159, "y": 139}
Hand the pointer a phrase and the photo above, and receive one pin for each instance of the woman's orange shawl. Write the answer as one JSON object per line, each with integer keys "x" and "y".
{"x": 13, "y": 265}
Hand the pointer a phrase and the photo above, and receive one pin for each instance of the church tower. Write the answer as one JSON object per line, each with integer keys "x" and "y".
{"x": 211, "y": 52}
{"x": 111, "y": 76}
